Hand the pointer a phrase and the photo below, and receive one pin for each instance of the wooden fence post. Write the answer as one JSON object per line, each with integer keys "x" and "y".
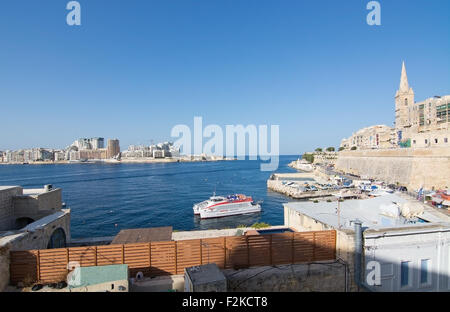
{"x": 248, "y": 252}
{"x": 224, "y": 252}
{"x": 176, "y": 258}
{"x": 201, "y": 251}
{"x": 293, "y": 249}
{"x": 335, "y": 243}
{"x": 270, "y": 249}
{"x": 67, "y": 258}
{"x": 38, "y": 262}
{"x": 149, "y": 255}
{"x": 314, "y": 246}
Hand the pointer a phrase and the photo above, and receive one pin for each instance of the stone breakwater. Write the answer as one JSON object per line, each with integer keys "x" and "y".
{"x": 413, "y": 168}
{"x": 275, "y": 183}
{"x": 279, "y": 187}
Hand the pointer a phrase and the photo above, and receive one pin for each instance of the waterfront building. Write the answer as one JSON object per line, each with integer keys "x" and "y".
{"x": 113, "y": 148}
{"x": 96, "y": 154}
{"x": 374, "y": 137}
{"x": 405, "y": 239}
{"x": 160, "y": 150}
{"x": 417, "y": 124}
{"x": 89, "y": 143}
{"x": 15, "y": 156}
{"x": 97, "y": 143}
{"x": 158, "y": 154}
{"x": 59, "y": 155}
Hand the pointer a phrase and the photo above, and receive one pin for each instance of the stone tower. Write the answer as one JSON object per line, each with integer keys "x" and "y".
{"x": 404, "y": 101}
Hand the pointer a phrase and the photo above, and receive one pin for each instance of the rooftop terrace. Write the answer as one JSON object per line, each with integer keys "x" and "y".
{"x": 374, "y": 213}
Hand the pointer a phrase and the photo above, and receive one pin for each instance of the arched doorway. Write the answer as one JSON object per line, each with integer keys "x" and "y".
{"x": 57, "y": 240}
{"x": 23, "y": 222}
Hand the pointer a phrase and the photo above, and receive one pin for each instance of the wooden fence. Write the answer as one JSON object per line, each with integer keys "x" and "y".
{"x": 171, "y": 257}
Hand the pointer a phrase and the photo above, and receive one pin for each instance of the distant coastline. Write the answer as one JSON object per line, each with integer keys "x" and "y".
{"x": 123, "y": 161}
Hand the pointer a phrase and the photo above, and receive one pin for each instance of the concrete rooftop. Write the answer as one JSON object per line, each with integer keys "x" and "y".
{"x": 369, "y": 211}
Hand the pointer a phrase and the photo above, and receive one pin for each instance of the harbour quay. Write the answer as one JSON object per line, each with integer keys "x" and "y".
{"x": 305, "y": 185}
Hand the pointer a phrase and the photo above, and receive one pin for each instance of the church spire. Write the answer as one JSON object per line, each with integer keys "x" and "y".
{"x": 404, "y": 86}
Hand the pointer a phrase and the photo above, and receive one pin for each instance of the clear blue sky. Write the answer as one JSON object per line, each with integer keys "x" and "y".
{"x": 134, "y": 69}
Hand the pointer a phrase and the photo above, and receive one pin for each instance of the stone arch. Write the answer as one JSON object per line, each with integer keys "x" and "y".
{"x": 57, "y": 239}
{"x": 23, "y": 222}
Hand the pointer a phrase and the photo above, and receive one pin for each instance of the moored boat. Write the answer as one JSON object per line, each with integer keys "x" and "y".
{"x": 221, "y": 206}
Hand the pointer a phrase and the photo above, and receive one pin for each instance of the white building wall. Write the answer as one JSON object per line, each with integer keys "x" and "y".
{"x": 391, "y": 251}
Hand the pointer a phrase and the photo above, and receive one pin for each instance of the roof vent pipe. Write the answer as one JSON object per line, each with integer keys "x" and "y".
{"x": 358, "y": 251}
{"x": 48, "y": 187}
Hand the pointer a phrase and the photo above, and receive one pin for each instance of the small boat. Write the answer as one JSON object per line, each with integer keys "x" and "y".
{"x": 224, "y": 206}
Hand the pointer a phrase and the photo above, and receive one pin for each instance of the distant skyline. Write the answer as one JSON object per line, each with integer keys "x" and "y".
{"x": 133, "y": 70}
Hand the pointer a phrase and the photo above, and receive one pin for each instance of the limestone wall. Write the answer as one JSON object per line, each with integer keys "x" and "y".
{"x": 411, "y": 167}
{"x": 317, "y": 277}
{"x": 4, "y": 266}
{"x": 37, "y": 235}
{"x": 345, "y": 240}
{"x": 38, "y": 206}
{"x": 7, "y": 207}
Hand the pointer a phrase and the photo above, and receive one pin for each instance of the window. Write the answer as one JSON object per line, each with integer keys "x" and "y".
{"x": 404, "y": 274}
{"x": 436, "y": 141}
{"x": 445, "y": 140}
{"x": 414, "y": 141}
{"x": 425, "y": 271}
{"x": 426, "y": 141}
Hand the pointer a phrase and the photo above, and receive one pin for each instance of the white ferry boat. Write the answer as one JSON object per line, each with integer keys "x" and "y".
{"x": 221, "y": 206}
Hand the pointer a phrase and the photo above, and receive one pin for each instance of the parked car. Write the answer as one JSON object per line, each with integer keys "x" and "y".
{"x": 392, "y": 186}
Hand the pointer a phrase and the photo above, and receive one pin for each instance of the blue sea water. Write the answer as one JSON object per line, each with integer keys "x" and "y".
{"x": 105, "y": 198}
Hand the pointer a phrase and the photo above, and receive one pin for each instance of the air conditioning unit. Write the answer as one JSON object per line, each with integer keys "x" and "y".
{"x": 204, "y": 278}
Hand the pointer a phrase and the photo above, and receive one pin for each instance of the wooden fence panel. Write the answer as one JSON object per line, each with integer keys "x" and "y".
{"x": 84, "y": 256}
{"x": 110, "y": 254}
{"x": 282, "y": 248}
{"x": 303, "y": 248}
{"x": 259, "y": 248}
{"x": 213, "y": 251}
{"x": 236, "y": 252}
{"x": 53, "y": 265}
{"x": 137, "y": 257}
{"x": 188, "y": 254}
{"x": 163, "y": 258}
{"x": 24, "y": 266}
{"x": 325, "y": 246}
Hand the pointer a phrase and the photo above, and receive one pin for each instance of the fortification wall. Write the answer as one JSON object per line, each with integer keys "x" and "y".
{"x": 411, "y": 167}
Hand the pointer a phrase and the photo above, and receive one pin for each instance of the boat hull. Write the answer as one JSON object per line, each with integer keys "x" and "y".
{"x": 229, "y": 211}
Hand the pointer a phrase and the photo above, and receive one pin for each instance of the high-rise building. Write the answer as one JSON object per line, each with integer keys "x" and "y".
{"x": 113, "y": 148}
{"x": 97, "y": 143}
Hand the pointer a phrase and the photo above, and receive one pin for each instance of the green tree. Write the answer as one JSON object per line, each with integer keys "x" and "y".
{"x": 341, "y": 148}
{"x": 308, "y": 157}
{"x": 318, "y": 149}
{"x": 353, "y": 148}
{"x": 330, "y": 149}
